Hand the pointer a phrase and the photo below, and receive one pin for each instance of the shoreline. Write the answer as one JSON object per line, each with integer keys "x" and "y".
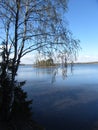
{"x": 37, "y": 66}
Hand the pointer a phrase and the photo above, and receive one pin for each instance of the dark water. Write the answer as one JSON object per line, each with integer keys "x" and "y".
{"x": 69, "y": 103}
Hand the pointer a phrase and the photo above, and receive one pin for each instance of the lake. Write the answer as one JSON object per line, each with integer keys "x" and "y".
{"x": 63, "y": 102}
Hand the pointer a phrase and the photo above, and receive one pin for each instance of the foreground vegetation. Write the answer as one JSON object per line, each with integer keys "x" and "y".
{"x": 21, "y": 115}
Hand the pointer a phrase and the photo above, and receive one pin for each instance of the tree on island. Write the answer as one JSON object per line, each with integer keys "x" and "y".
{"x": 48, "y": 62}
{"x": 26, "y": 26}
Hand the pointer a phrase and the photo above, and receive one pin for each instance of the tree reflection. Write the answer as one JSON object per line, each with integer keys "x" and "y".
{"x": 64, "y": 73}
{"x": 63, "y": 69}
{"x": 54, "y": 75}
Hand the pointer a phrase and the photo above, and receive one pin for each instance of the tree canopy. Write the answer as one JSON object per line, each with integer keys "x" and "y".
{"x": 45, "y": 63}
{"x": 28, "y": 25}
{"x": 31, "y": 25}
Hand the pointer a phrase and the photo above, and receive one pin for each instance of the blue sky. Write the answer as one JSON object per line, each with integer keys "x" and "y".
{"x": 82, "y": 17}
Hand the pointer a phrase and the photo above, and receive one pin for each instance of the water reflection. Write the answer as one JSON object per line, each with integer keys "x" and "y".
{"x": 70, "y": 104}
{"x": 67, "y": 109}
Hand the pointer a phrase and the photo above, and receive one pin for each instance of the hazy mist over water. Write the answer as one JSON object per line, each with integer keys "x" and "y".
{"x": 67, "y": 103}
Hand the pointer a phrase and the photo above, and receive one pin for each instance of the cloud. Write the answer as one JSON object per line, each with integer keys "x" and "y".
{"x": 87, "y": 58}
{"x": 28, "y": 59}
{"x": 31, "y": 58}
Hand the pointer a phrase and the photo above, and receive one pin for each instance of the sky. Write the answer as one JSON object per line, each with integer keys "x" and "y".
{"x": 82, "y": 17}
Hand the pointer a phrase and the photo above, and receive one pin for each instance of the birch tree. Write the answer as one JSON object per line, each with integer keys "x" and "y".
{"x": 32, "y": 25}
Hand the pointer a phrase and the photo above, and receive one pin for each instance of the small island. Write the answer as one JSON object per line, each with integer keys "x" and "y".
{"x": 45, "y": 63}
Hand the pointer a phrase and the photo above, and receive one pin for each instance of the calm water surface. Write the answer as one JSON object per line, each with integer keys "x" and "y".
{"x": 61, "y": 103}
